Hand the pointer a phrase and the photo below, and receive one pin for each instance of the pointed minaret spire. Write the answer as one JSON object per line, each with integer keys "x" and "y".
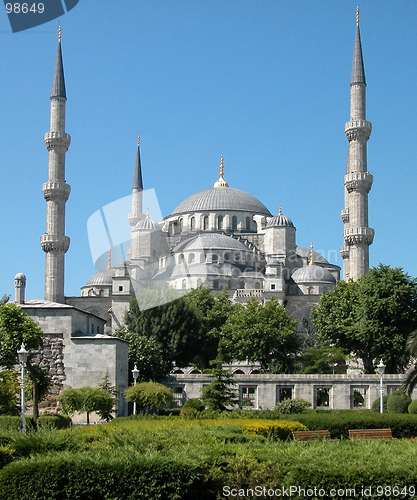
{"x": 109, "y": 259}
{"x": 311, "y": 262}
{"x": 136, "y": 215}
{"x": 358, "y": 181}
{"x": 56, "y": 191}
{"x": 221, "y": 182}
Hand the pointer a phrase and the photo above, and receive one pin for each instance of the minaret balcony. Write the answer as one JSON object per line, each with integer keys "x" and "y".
{"x": 358, "y": 129}
{"x": 55, "y": 242}
{"x": 56, "y": 190}
{"x": 344, "y": 252}
{"x": 344, "y": 214}
{"x": 358, "y": 181}
{"x": 358, "y": 235}
{"x": 57, "y": 140}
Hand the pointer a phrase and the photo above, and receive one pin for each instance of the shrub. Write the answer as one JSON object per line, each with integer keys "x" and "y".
{"x": 149, "y": 395}
{"x": 412, "y": 407}
{"x": 9, "y": 423}
{"x": 292, "y": 406}
{"x": 53, "y": 421}
{"x": 376, "y": 404}
{"x": 6, "y": 456}
{"x": 398, "y": 403}
{"x": 194, "y": 403}
{"x": 281, "y": 429}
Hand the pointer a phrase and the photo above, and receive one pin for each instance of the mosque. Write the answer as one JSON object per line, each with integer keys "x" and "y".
{"x": 220, "y": 237}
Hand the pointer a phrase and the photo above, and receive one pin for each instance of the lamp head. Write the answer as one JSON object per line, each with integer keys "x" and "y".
{"x": 23, "y": 354}
{"x": 381, "y": 368}
{"x": 135, "y": 372}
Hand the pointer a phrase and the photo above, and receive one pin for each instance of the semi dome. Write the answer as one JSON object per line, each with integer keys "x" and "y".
{"x": 147, "y": 224}
{"x": 101, "y": 278}
{"x": 225, "y": 198}
{"x": 312, "y": 274}
{"x": 280, "y": 220}
{"x": 212, "y": 241}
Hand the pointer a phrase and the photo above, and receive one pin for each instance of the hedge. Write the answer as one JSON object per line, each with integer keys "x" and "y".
{"x": 276, "y": 429}
{"x": 45, "y": 421}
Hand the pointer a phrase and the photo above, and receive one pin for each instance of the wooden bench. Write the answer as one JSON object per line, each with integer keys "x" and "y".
{"x": 370, "y": 433}
{"x": 311, "y": 435}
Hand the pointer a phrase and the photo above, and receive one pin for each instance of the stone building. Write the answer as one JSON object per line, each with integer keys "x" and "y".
{"x": 221, "y": 237}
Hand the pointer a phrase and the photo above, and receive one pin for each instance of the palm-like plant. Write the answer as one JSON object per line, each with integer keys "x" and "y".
{"x": 411, "y": 380}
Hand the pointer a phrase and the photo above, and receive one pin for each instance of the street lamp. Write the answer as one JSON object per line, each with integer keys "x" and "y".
{"x": 23, "y": 357}
{"x": 135, "y": 373}
{"x": 381, "y": 371}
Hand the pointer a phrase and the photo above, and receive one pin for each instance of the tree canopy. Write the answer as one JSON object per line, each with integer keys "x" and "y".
{"x": 261, "y": 333}
{"x": 371, "y": 317}
{"x": 149, "y": 395}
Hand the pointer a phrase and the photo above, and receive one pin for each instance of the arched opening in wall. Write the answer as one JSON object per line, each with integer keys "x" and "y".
{"x": 192, "y": 224}
{"x": 255, "y": 226}
{"x": 257, "y": 285}
{"x": 248, "y": 225}
{"x": 255, "y": 372}
{"x": 195, "y": 371}
{"x": 199, "y": 282}
{"x": 184, "y": 284}
{"x": 181, "y": 225}
{"x": 227, "y": 257}
{"x": 180, "y": 258}
{"x": 191, "y": 258}
{"x": 214, "y": 258}
{"x": 237, "y": 257}
{"x": 220, "y": 222}
{"x": 234, "y": 223}
{"x": 241, "y": 285}
{"x": 178, "y": 372}
{"x": 239, "y": 372}
{"x": 216, "y": 285}
{"x": 205, "y": 223}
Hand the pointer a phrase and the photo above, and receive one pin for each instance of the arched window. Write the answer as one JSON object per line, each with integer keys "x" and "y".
{"x": 247, "y": 223}
{"x": 220, "y": 222}
{"x": 205, "y": 223}
{"x": 181, "y": 258}
{"x": 192, "y": 223}
{"x": 184, "y": 284}
{"x": 227, "y": 257}
{"x": 237, "y": 257}
{"x": 234, "y": 223}
{"x": 257, "y": 285}
{"x": 181, "y": 225}
{"x": 255, "y": 226}
{"x": 214, "y": 258}
{"x": 199, "y": 282}
{"x": 191, "y": 258}
{"x": 216, "y": 284}
{"x": 241, "y": 285}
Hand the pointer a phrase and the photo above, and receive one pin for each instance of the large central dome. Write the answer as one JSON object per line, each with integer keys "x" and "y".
{"x": 225, "y": 198}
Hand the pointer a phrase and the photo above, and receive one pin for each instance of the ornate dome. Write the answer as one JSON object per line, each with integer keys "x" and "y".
{"x": 147, "y": 224}
{"x": 101, "y": 278}
{"x": 213, "y": 241}
{"x": 280, "y": 220}
{"x": 225, "y": 198}
{"x": 312, "y": 274}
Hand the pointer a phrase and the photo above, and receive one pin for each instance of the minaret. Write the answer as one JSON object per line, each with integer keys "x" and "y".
{"x": 137, "y": 190}
{"x": 357, "y": 235}
{"x": 56, "y": 191}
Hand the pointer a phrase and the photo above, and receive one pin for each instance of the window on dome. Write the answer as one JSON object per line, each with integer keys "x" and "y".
{"x": 206, "y": 223}
{"x": 191, "y": 258}
{"x": 181, "y": 222}
{"x": 184, "y": 284}
{"x": 241, "y": 285}
{"x": 237, "y": 257}
{"x": 247, "y": 223}
{"x": 257, "y": 286}
{"x": 214, "y": 258}
{"x": 227, "y": 257}
{"x": 192, "y": 223}
{"x": 220, "y": 222}
{"x": 181, "y": 258}
{"x": 234, "y": 223}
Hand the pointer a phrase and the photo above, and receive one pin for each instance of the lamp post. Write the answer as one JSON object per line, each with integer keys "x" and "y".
{"x": 23, "y": 357}
{"x": 135, "y": 373}
{"x": 381, "y": 371}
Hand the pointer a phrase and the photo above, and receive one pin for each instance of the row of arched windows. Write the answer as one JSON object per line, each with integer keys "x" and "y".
{"x": 250, "y": 225}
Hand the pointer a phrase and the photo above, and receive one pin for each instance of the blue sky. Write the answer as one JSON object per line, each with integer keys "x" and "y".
{"x": 265, "y": 83}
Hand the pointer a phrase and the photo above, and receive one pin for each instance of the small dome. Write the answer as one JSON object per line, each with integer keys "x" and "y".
{"x": 312, "y": 274}
{"x": 280, "y": 220}
{"x": 20, "y": 277}
{"x": 305, "y": 252}
{"x": 148, "y": 225}
{"x": 211, "y": 241}
{"x": 101, "y": 278}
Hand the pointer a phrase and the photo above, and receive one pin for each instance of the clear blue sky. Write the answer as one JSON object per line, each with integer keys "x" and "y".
{"x": 265, "y": 83}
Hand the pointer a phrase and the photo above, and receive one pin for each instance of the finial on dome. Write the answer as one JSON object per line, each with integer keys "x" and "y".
{"x": 59, "y": 33}
{"x": 280, "y": 210}
{"x": 147, "y": 213}
{"x": 221, "y": 181}
{"x": 109, "y": 258}
{"x": 357, "y": 15}
{"x": 311, "y": 263}
{"x": 138, "y": 139}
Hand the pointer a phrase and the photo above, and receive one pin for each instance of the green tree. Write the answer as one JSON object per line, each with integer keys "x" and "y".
{"x": 261, "y": 333}
{"x": 218, "y": 395}
{"x": 176, "y": 327}
{"x": 87, "y": 400}
{"x": 16, "y": 327}
{"x": 9, "y": 390}
{"x": 214, "y": 310}
{"x": 149, "y": 395}
{"x": 371, "y": 317}
{"x": 411, "y": 378}
{"x": 321, "y": 359}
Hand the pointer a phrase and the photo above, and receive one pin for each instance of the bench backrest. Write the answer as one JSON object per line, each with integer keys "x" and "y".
{"x": 370, "y": 433}
{"x": 310, "y": 435}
